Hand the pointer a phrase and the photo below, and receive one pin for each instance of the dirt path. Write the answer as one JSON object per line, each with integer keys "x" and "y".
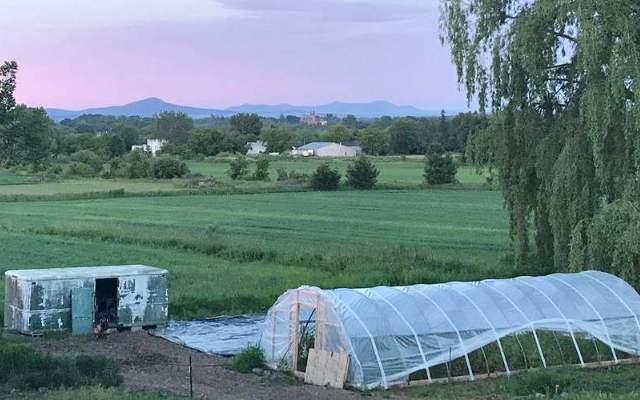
{"x": 153, "y": 363}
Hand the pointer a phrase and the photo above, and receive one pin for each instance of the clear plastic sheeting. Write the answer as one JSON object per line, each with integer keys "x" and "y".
{"x": 224, "y": 335}
{"x": 391, "y": 332}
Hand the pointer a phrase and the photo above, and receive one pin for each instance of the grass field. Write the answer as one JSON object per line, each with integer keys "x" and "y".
{"x": 237, "y": 253}
{"x": 392, "y": 170}
{"x": 83, "y": 186}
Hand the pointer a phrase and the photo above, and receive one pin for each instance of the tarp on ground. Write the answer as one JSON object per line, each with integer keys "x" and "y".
{"x": 224, "y": 335}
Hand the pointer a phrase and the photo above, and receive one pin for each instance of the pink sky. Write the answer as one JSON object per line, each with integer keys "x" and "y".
{"x": 216, "y": 53}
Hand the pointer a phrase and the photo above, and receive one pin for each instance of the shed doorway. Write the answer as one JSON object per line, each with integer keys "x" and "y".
{"x": 106, "y": 306}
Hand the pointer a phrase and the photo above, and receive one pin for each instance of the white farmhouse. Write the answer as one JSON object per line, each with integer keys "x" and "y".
{"x": 256, "y": 148}
{"x": 152, "y": 146}
{"x": 326, "y": 149}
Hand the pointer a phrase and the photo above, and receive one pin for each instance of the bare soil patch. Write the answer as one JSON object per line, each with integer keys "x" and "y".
{"x": 152, "y": 363}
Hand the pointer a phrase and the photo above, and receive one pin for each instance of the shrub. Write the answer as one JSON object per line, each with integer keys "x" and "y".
{"x": 238, "y": 168}
{"x": 282, "y": 174}
{"x": 137, "y": 165}
{"x": 362, "y": 174}
{"x": 325, "y": 178}
{"x": 440, "y": 169}
{"x": 251, "y": 357}
{"x": 79, "y": 170}
{"x": 45, "y": 176}
{"x": 87, "y": 157}
{"x": 168, "y": 168}
{"x": 262, "y": 170}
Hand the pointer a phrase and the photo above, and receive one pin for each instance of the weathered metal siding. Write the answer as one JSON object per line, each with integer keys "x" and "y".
{"x": 143, "y": 300}
{"x": 34, "y": 307}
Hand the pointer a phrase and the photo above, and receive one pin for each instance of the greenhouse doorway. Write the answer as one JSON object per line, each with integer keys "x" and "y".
{"x": 306, "y": 336}
{"x": 106, "y": 302}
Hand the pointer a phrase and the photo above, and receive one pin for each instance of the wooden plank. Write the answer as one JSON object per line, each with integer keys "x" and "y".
{"x": 327, "y": 368}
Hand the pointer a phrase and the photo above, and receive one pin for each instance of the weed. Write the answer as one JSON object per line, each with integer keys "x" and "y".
{"x": 248, "y": 359}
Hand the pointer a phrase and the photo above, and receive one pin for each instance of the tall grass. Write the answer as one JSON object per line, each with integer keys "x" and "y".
{"x": 24, "y": 368}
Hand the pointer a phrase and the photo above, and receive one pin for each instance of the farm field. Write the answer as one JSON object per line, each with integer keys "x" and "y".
{"x": 393, "y": 170}
{"x": 83, "y": 186}
{"x": 237, "y": 253}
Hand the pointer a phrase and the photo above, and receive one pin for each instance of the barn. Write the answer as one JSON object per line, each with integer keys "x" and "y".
{"x": 58, "y": 299}
{"x": 327, "y": 149}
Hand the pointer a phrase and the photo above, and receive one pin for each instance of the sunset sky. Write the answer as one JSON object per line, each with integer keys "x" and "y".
{"x": 216, "y": 53}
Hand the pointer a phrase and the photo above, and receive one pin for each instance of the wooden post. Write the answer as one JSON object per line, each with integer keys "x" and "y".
{"x": 296, "y": 332}
{"x": 190, "y": 378}
{"x": 318, "y": 340}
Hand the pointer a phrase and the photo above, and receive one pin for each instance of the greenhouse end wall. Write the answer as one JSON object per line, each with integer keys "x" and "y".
{"x": 392, "y": 332}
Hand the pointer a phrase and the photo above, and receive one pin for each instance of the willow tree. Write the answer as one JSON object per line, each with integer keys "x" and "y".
{"x": 561, "y": 80}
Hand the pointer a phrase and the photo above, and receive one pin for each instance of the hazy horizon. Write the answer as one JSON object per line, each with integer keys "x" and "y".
{"x": 77, "y": 54}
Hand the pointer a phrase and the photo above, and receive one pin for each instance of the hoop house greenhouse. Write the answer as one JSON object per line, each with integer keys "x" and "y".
{"x": 391, "y": 333}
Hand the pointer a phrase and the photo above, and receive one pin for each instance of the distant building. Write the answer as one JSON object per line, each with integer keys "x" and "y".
{"x": 312, "y": 119}
{"x": 326, "y": 149}
{"x": 255, "y": 148}
{"x": 152, "y": 146}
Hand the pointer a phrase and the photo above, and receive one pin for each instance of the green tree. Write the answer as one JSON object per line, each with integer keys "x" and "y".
{"x": 374, "y": 141}
{"x": 439, "y": 169}
{"x": 238, "y": 168}
{"x": 24, "y": 131}
{"x": 26, "y": 138}
{"x": 205, "y": 141}
{"x": 262, "y": 170}
{"x": 337, "y": 134}
{"x": 247, "y": 125}
{"x": 129, "y": 134}
{"x": 560, "y": 78}
{"x": 405, "y": 136}
{"x": 137, "y": 164}
{"x": 385, "y": 122}
{"x": 117, "y": 146}
{"x": 173, "y": 126}
{"x": 87, "y": 157}
{"x": 325, "y": 178}
{"x": 280, "y": 139}
{"x": 350, "y": 121}
{"x": 362, "y": 174}
{"x": 8, "y": 71}
{"x": 168, "y": 168}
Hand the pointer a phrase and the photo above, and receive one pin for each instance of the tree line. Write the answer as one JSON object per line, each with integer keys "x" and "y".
{"x": 29, "y": 137}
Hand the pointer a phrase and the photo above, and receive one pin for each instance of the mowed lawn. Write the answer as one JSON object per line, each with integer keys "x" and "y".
{"x": 237, "y": 253}
{"x": 393, "y": 170}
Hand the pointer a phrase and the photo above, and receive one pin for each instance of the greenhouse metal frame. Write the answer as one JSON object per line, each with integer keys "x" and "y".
{"x": 392, "y": 332}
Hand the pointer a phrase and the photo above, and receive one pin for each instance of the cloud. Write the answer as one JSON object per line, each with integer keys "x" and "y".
{"x": 337, "y": 10}
{"x": 90, "y": 14}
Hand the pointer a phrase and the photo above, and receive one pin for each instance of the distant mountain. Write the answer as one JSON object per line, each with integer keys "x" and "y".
{"x": 142, "y": 108}
{"x": 152, "y": 106}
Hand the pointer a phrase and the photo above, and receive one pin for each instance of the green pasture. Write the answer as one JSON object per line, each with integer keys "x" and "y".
{"x": 237, "y": 253}
{"x": 7, "y": 178}
{"x": 83, "y": 186}
{"x": 393, "y": 170}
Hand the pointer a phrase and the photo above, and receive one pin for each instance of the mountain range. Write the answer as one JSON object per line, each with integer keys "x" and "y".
{"x": 152, "y": 106}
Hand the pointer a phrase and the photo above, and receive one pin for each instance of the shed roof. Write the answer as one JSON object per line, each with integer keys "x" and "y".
{"x": 85, "y": 272}
{"x": 316, "y": 145}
